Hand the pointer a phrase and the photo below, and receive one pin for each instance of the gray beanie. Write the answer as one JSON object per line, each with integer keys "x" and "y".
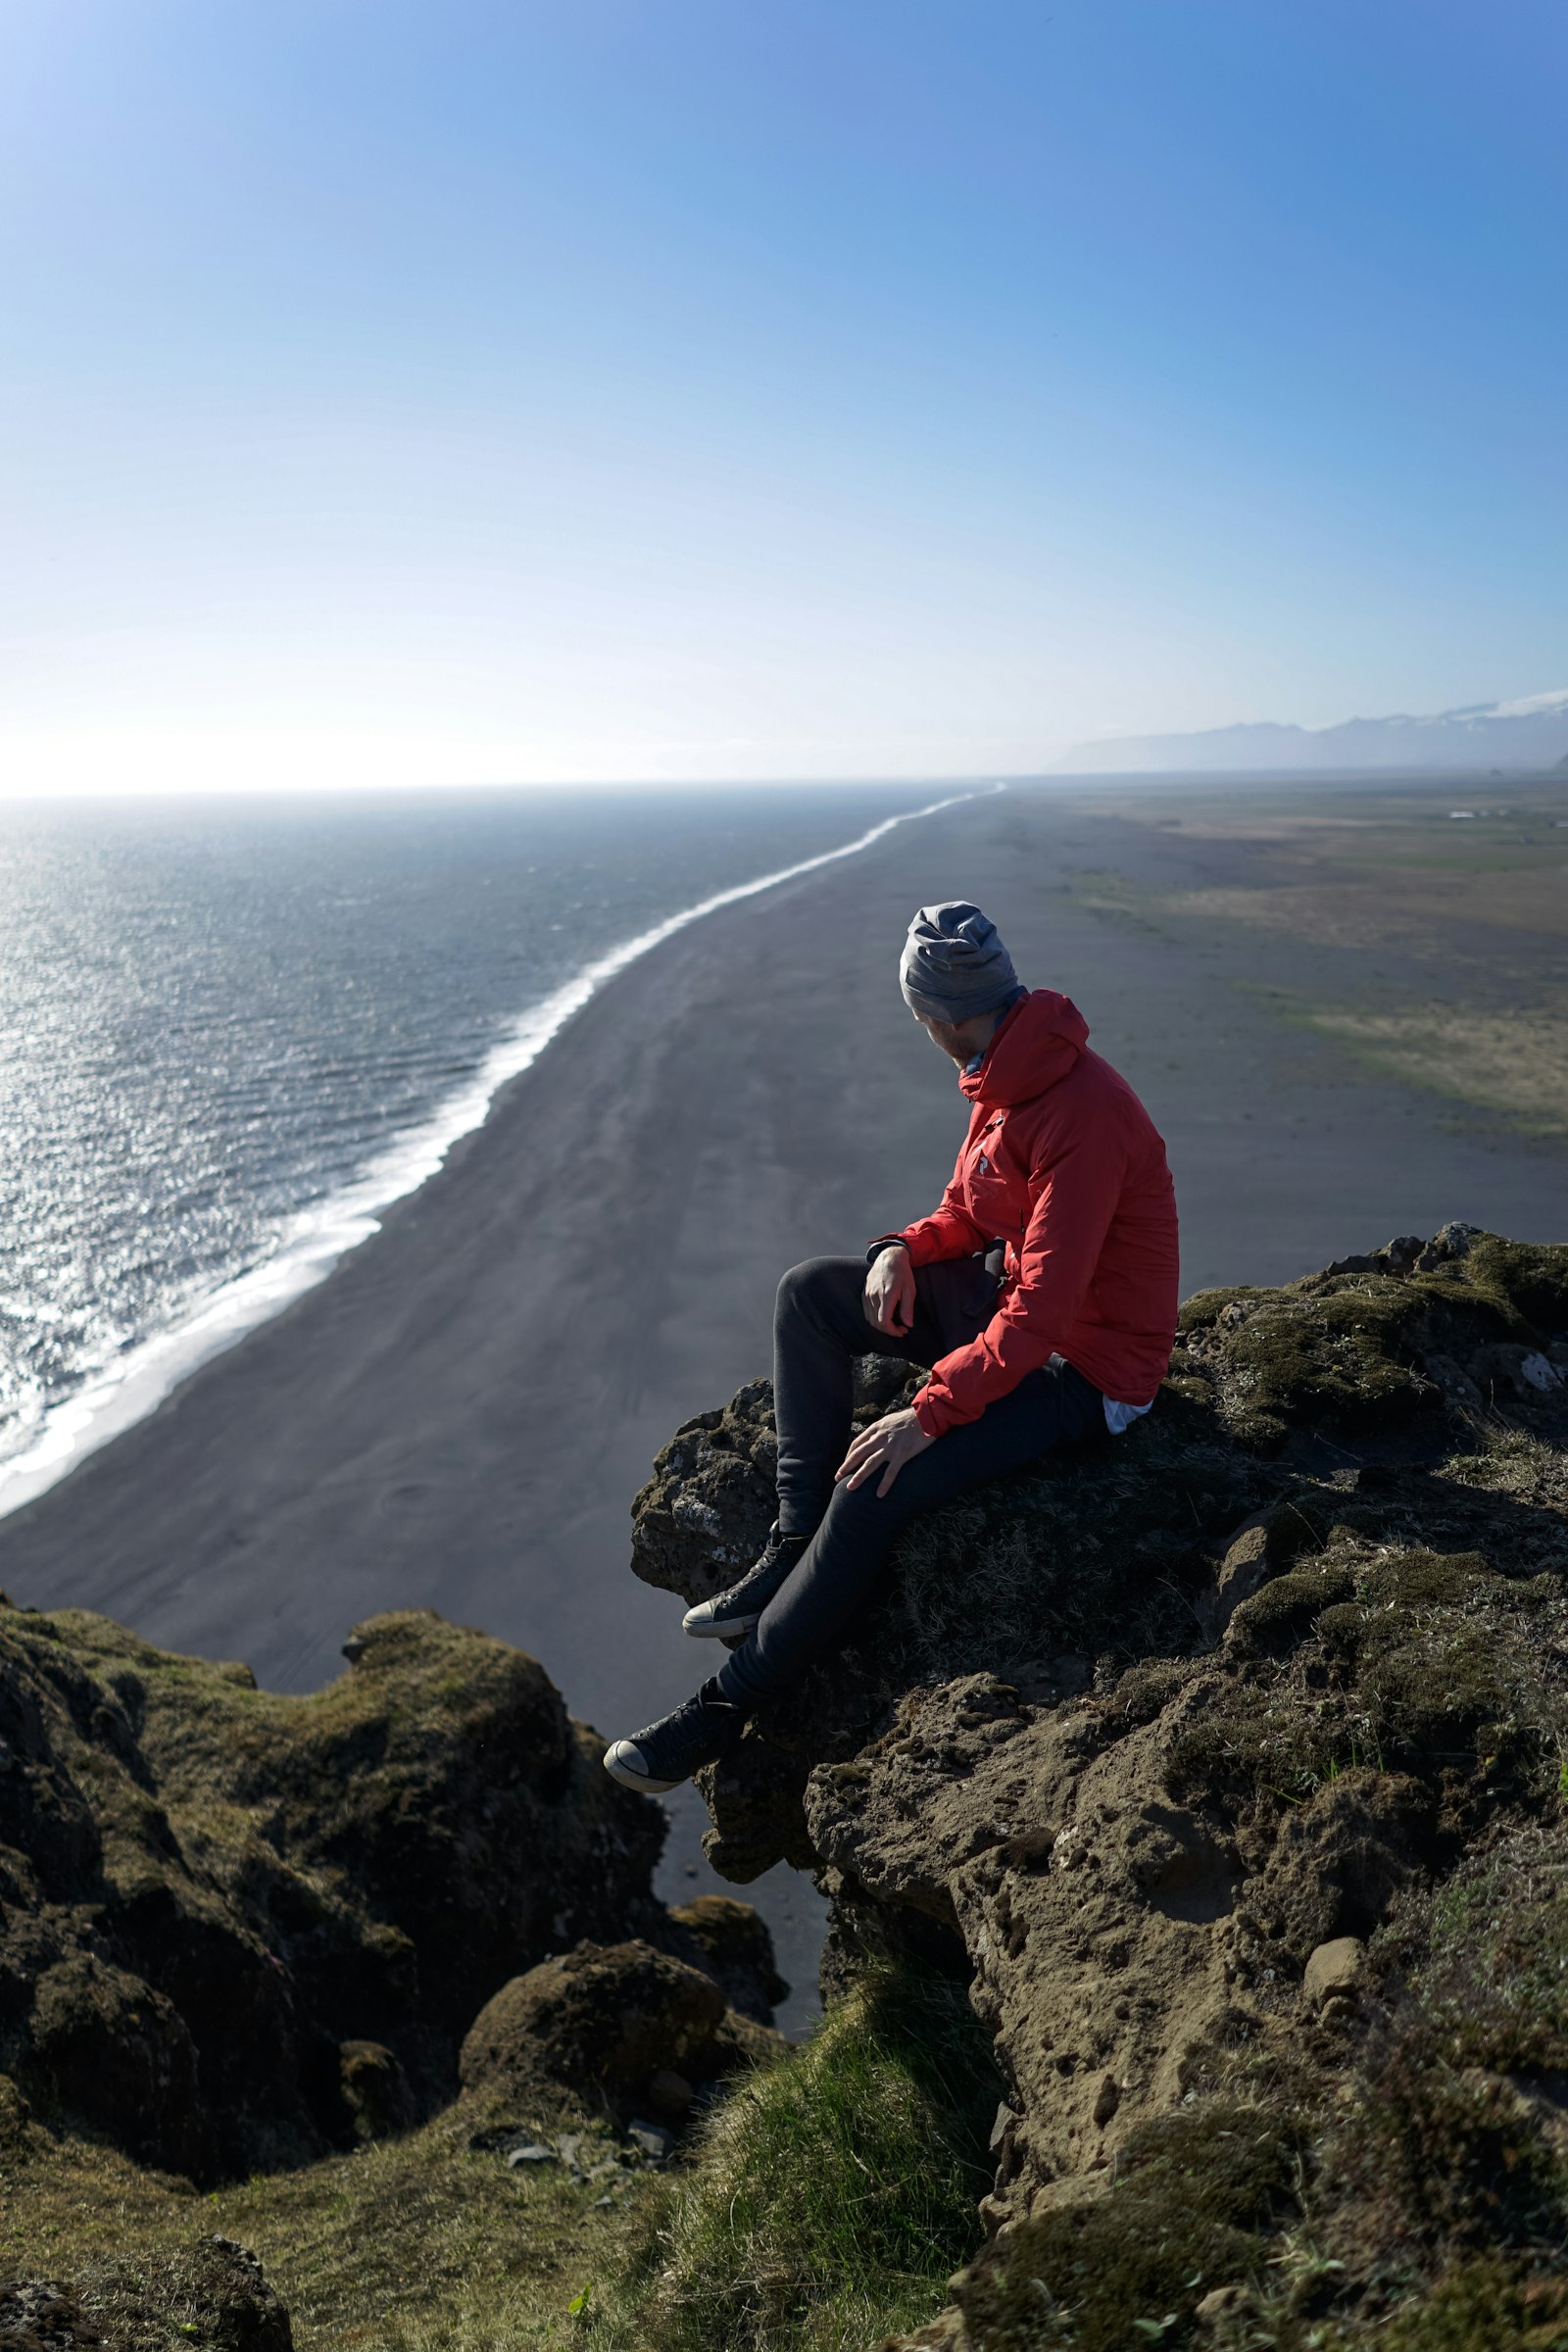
{"x": 954, "y": 965}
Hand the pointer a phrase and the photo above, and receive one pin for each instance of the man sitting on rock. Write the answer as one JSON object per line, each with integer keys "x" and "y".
{"x": 1041, "y": 1293}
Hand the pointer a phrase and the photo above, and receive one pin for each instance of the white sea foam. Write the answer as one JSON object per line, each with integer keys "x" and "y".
{"x": 311, "y": 1244}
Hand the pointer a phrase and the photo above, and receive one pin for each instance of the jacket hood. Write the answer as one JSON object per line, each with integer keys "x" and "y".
{"x": 1037, "y": 1045}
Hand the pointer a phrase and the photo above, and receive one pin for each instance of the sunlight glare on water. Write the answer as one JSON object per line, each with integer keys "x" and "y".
{"x": 218, "y": 1015}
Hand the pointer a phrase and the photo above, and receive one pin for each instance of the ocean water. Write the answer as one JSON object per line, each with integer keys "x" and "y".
{"x": 235, "y": 1030}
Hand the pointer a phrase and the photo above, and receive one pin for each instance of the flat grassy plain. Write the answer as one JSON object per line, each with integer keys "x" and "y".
{"x": 1419, "y": 924}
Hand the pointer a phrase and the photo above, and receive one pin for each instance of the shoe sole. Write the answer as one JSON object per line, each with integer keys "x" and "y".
{"x": 629, "y": 1777}
{"x": 718, "y": 1629}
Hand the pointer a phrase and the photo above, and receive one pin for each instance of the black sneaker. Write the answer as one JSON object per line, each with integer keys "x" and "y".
{"x": 671, "y": 1749}
{"x": 734, "y": 1612}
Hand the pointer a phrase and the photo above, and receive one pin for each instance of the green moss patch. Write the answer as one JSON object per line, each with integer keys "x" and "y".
{"x": 209, "y": 1893}
{"x": 1414, "y": 1662}
{"x": 1484, "y": 2306}
{"x": 1188, "y": 2212}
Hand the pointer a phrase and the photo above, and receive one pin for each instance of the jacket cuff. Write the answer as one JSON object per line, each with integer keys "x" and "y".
{"x": 883, "y": 1242}
{"x": 932, "y": 1419}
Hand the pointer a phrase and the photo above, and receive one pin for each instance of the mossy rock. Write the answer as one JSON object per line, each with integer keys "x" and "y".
{"x": 1485, "y": 2305}
{"x": 1347, "y": 1349}
{"x": 1276, "y": 1619}
{"x": 1183, "y": 2217}
{"x": 1430, "y": 1579}
{"x": 1417, "y": 1661}
{"x": 1527, "y": 1280}
{"x": 14, "y": 2117}
{"x": 1107, "y": 1558}
{"x": 1492, "y": 1989}
{"x": 600, "y": 2019}
{"x": 207, "y": 1889}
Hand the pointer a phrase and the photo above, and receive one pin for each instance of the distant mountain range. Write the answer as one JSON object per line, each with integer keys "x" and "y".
{"x": 1527, "y": 734}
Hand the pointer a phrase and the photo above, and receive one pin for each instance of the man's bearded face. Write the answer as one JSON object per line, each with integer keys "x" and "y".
{"x": 944, "y": 1034}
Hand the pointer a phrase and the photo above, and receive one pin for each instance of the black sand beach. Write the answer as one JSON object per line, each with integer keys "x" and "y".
{"x": 460, "y": 1416}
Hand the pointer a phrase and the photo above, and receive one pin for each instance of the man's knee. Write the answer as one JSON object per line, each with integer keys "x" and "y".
{"x": 809, "y": 1288}
{"x": 863, "y": 1516}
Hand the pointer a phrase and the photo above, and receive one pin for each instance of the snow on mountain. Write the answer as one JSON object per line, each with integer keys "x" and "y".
{"x": 1532, "y": 703}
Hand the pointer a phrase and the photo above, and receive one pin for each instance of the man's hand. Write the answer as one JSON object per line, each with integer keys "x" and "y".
{"x": 885, "y": 1447}
{"x": 890, "y": 1291}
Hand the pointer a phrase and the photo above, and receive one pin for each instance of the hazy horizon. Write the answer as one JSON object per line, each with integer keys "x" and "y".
{"x": 512, "y": 396}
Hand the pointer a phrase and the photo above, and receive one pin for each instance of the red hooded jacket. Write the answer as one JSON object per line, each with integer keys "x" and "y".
{"x": 1063, "y": 1163}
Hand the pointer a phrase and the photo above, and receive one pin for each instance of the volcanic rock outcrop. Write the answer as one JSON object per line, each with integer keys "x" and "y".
{"x": 238, "y": 1929}
{"x": 1224, "y": 1763}
{"x": 623, "y": 2027}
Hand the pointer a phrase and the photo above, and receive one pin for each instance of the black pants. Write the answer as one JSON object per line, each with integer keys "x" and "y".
{"x": 819, "y": 1327}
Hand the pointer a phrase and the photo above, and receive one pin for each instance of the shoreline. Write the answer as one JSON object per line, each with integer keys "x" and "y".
{"x": 116, "y": 1400}
{"x": 460, "y": 1416}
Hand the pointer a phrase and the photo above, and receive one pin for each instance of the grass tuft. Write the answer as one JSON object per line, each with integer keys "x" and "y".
{"x": 832, "y": 2196}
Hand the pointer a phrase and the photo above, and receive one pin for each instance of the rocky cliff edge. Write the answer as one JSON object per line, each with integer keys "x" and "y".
{"x": 1225, "y": 1764}
{"x": 241, "y": 1932}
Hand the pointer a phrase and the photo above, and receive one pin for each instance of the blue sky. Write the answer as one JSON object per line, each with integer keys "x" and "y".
{"x": 698, "y": 388}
